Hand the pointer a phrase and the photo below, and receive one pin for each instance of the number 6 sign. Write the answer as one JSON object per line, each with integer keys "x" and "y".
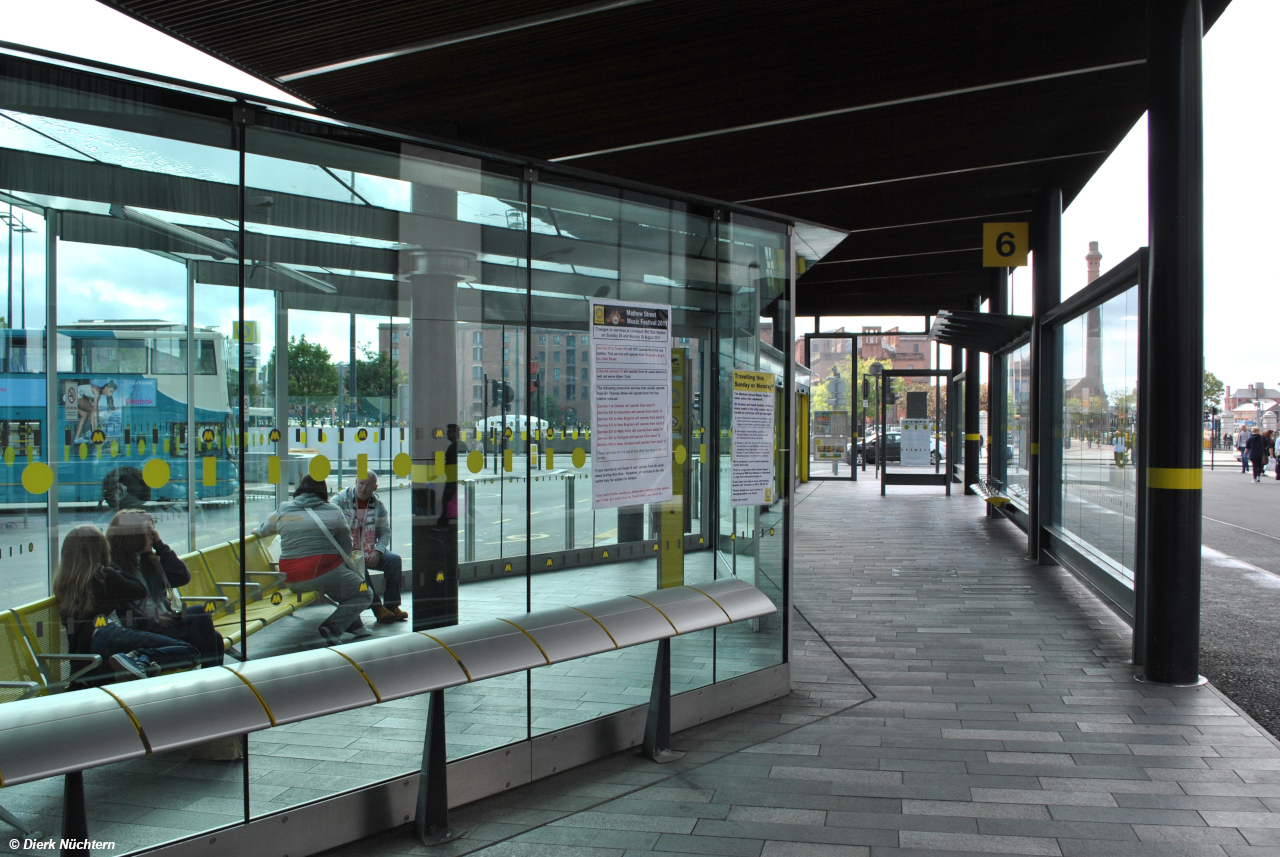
{"x": 1004, "y": 245}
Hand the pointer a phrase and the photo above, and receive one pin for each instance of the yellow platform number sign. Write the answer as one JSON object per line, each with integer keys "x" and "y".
{"x": 1005, "y": 245}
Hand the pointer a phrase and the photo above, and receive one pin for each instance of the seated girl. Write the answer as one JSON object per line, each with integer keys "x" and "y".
{"x": 91, "y": 599}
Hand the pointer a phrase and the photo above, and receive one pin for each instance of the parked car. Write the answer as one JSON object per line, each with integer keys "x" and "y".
{"x": 893, "y": 449}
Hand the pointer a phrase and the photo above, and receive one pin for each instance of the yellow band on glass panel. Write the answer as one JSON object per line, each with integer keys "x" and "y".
{"x": 1175, "y": 478}
{"x": 1035, "y": 449}
{"x": 973, "y": 437}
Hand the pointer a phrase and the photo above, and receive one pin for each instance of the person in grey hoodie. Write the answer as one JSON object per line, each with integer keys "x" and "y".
{"x": 311, "y": 562}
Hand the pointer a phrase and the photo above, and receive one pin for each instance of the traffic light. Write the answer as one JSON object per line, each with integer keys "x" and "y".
{"x": 866, "y": 387}
{"x": 500, "y": 394}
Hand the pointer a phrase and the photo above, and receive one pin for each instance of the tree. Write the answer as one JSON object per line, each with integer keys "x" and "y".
{"x": 547, "y": 408}
{"x": 312, "y": 373}
{"x": 1213, "y": 390}
{"x": 376, "y": 375}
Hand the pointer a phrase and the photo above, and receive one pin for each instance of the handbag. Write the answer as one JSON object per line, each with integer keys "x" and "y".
{"x": 355, "y": 561}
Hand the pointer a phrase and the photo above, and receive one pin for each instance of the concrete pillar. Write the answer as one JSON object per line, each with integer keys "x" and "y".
{"x": 448, "y": 257}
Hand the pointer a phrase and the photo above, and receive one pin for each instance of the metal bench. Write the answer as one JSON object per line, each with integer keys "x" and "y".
{"x": 71, "y": 732}
{"x": 989, "y": 491}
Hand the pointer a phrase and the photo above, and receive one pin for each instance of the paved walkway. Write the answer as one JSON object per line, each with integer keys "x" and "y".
{"x": 1000, "y": 717}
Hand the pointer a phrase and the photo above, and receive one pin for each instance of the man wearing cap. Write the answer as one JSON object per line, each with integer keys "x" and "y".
{"x": 371, "y": 533}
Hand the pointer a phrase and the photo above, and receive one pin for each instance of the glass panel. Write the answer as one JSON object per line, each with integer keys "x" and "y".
{"x": 1018, "y": 413}
{"x": 600, "y": 243}
{"x": 1098, "y": 424}
{"x": 833, "y": 407}
{"x": 755, "y": 330}
{"x": 102, "y": 439}
{"x": 370, "y": 280}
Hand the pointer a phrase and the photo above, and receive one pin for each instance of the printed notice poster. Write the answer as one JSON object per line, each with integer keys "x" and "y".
{"x": 630, "y": 403}
{"x": 751, "y": 482}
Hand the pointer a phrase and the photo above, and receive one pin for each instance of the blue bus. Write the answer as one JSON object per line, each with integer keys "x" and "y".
{"x": 122, "y": 401}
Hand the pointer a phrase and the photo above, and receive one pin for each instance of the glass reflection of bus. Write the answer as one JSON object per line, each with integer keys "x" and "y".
{"x": 122, "y": 400}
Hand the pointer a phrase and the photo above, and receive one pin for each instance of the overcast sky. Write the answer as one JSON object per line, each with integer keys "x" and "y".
{"x": 1242, "y": 125}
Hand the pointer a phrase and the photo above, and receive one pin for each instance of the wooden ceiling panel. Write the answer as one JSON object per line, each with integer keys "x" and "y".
{"x": 906, "y": 122}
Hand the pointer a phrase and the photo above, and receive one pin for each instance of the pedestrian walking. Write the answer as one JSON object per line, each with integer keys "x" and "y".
{"x": 1256, "y": 453}
{"x": 1242, "y": 438}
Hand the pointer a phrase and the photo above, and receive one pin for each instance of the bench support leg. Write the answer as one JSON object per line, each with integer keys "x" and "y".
{"x": 75, "y": 821}
{"x": 657, "y": 729}
{"x": 432, "y": 823}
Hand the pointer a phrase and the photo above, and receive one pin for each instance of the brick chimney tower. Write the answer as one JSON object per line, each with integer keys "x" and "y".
{"x": 1094, "y": 260}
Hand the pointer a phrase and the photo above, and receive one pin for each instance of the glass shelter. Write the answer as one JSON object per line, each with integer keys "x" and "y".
{"x": 213, "y": 304}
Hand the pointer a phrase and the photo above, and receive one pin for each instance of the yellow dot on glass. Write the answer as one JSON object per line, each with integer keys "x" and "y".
{"x": 156, "y": 473}
{"x": 319, "y": 468}
{"x": 402, "y": 465}
{"x": 475, "y": 461}
{"x": 9, "y": 456}
{"x": 579, "y": 457}
{"x": 84, "y": 451}
{"x": 681, "y": 454}
{"x": 37, "y": 477}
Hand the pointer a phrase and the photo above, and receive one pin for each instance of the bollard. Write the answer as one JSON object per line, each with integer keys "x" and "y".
{"x": 569, "y": 512}
{"x": 470, "y": 549}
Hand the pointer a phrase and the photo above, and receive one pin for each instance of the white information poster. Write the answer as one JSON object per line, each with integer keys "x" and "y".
{"x": 630, "y": 403}
{"x": 751, "y": 482}
{"x": 916, "y": 436}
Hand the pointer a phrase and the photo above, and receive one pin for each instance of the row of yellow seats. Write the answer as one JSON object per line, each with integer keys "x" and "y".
{"x": 215, "y": 582}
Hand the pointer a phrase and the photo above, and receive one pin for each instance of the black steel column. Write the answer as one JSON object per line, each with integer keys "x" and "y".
{"x": 972, "y": 404}
{"x": 1175, "y": 205}
{"x": 997, "y": 407}
{"x": 955, "y": 431}
{"x": 1046, "y": 293}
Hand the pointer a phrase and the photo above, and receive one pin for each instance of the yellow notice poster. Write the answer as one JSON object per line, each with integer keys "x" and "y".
{"x": 751, "y": 481}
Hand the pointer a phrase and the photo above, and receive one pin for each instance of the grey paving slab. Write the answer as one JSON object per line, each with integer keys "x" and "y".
{"x": 949, "y": 698}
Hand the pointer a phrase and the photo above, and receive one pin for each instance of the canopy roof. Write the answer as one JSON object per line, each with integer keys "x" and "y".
{"x": 906, "y": 124}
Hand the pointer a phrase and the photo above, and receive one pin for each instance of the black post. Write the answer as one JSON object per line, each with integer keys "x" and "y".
{"x": 432, "y": 821}
{"x": 955, "y": 431}
{"x": 657, "y": 728}
{"x": 1175, "y": 205}
{"x": 972, "y": 404}
{"x": 997, "y": 395}
{"x": 75, "y": 820}
{"x": 1046, "y": 293}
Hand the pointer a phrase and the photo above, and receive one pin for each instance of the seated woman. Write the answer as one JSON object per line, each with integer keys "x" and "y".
{"x": 315, "y": 551}
{"x": 138, "y": 552}
{"x": 91, "y": 597}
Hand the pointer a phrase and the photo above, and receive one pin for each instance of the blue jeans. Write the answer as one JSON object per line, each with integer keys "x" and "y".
{"x": 167, "y": 652}
{"x": 391, "y": 567}
{"x": 197, "y": 629}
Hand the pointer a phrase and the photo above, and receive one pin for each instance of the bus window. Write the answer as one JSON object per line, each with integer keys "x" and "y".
{"x": 112, "y": 356}
{"x": 206, "y": 359}
{"x": 168, "y": 357}
{"x": 25, "y": 352}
